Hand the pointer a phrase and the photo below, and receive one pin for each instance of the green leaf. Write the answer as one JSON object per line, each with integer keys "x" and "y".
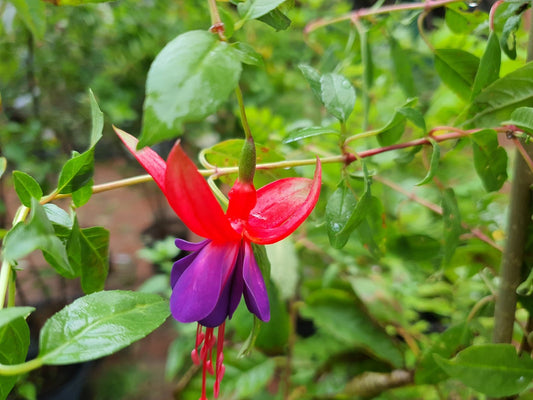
{"x": 433, "y": 164}
{"x": 338, "y": 95}
{"x": 512, "y": 17}
{"x": 312, "y": 131}
{"x": 522, "y": 118}
{"x": 284, "y": 267}
{"x": 3, "y": 162}
{"x": 402, "y": 68}
{"x": 76, "y": 2}
{"x": 249, "y": 343}
{"x": 276, "y": 19}
{"x": 188, "y": 81}
{"x": 313, "y": 78}
{"x": 457, "y": 70}
{"x": 251, "y": 381}
{"x": 77, "y": 172}
{"x": 497, "y": 101}
{"x": 253, "y": 9}
{"x": 489, "y": 66}
{"x": 38, "y": 233}
{"x": 26, "y": 188}
{"x": 490, "y": 160}
{"x": 33, "y": 13}
{"x": 82, "y": 195}
{"x": 492, "y": 369}
{"x": 100, "y": 324}
{"x": 60, "y": 220}
{"x": 446, "y": 345}
{"x": 462, "y": 20}
{"x": 415, "y": 116}
{"x": 393, "y": 131}
{"x": 326, "y": 307}
{"x": 452, "y": 224}
{"x": 14, "y": 344}
{"x": 247, "y": 54}
{"x": 97, "y": 118}
{"x": 274, "y": 336}
{"x": 8, "y": 315}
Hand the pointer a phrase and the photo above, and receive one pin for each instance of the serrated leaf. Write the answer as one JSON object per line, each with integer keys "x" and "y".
{"x": 247, "y": 54}
{"x": 312, "y": 131}
{"x": 14, "y": 344}
{"x": 522, "y": 118}
{"x": 33, "y": 13}
{"x": 76, "y": 172}
{"x": 452, "y": 224}
{"x": 337, "y": 95}
{"x": 188, "y": 80}
{"x": 402, "y": 68}
{"x": 490, "y": 160}
{"x": 100, "y": 324}
{"x": 457, "y": 70}
{"x": 37, "y": 233}
{"x": 497, "y": 101}
{"x": 492, "y": 369}
{"x": 326, "y": 307}
{"x": 26, "y": 188}
{"x": 393, "y": 131}
{"x": 97, "y": 118}
{"x": 313, "y": 78}
{"x": 489, "y": 66}
{"x": 433, "y": 164}
{"x": 446, "y": 345}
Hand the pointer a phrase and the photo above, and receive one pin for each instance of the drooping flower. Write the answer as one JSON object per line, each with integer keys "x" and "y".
{"x": 207, "y": 285}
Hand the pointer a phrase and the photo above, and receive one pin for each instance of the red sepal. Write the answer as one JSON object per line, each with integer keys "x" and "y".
{"x": 282, "y": 206}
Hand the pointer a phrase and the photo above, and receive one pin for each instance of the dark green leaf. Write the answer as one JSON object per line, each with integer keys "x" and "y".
{"x": 100, "y": 324}
{"x": 273, "y": 337}
{"x": 371, "y": 231}
{"x": 492, "y": 369}
{"x": 338, "y": 95}
{"x": 38, "y": 233}
{"x": 313, "y": 78}
{"x": 26, "y": 188}
{"x": 402, "y": 68}
{"x": 95, "y": 258}
{"x": 522, "y": 118}
{"x": 490, "y": 160}
{"x": 446, "y": 345}
{"x": 393, "y": 131}
{"x": 14, "y": 344}
{"x": 489, "y": 66}
{"x": 276, "y": 19}
{"x": 340, "y": 206}
{"x": 33, "y": 13}
{"x": 512, "y": 22}
{"x": 415, "y": 116}
{"x": 498, "y": 100}
{"x": 309, "y": 132}
{"x": 326, "y": 307}
{"x": 452, "y": 224}
{"x": 247, "y": 54}
{"x": 433, "y": 164}
{"x": 188, "y": 80}
{"x": 97, "y": 118}
{"x": 253, "y": 9}
{"x": 77, "y": 172}
{"x": 457, "y": 69}
{"x": 82, "y": 195}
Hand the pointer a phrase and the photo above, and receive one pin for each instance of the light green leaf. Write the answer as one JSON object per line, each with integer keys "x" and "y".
{"x": 76, "y": 2}
{"x": 26, "y": 188}
{"x": 77, "y": 172}
{"x": 457, "y": 70}
{"x": 433, "y": 164}
{"x": 251, "y": 381}
{"x": 490, "y": 160}
{"x": 188, "y": 80}
{"x": 252, "y": 9}
{"x": 312, "y": 131}
{"x": 338, "y": 95}
{"x": 276, "y": 19}
{"x": 284, "y": 270}
{"x": 3, "y": 162}
{"x": 393, "y": 131}
{"x": 462, "y": 20}
{"x": 497, "y": 101}
{"x": 452, "y": 224}
{"x": 326, "y": 307}
{"x": 82, "y": 195}
{"x": 37, "y": 233}
{"x": 402, "y": 68}
{"x": 247, "y": 54}
{"x": 492, "y": 369}
{"x": 14, "y": 344}
{"x": 313, "y": 78}
{"x": 489, "y": 66}
{"x": 97, "y": 117}
{"x": 522, "y": 117}
{"x": 100, "y": 324}
{"x": 33, "y": 13}
{"x": 8, "y": 315}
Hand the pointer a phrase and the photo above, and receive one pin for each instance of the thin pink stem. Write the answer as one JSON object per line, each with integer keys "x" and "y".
{"x": 493, "y": 13}
{"x": 523, "y": 153}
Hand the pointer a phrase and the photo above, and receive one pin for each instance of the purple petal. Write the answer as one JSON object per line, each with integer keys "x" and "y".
{"x": 179, "y": 268}
{"x": 255, "y": 293}
{"x": 220, "y": 312}
{"x": 237, "y": 284}
{"x": 190, "y": 246}
{"x": 197, "y": 291}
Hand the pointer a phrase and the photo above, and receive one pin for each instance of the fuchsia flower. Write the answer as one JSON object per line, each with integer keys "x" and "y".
{"x": 207, "y": 285}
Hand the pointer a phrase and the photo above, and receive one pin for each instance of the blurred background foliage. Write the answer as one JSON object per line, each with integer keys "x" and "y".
{"x": 376, "y": 306}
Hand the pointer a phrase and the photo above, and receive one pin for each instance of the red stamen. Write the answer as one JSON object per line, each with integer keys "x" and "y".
{"x": 220, "y": 369}
{"x": 208, "y": 342}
